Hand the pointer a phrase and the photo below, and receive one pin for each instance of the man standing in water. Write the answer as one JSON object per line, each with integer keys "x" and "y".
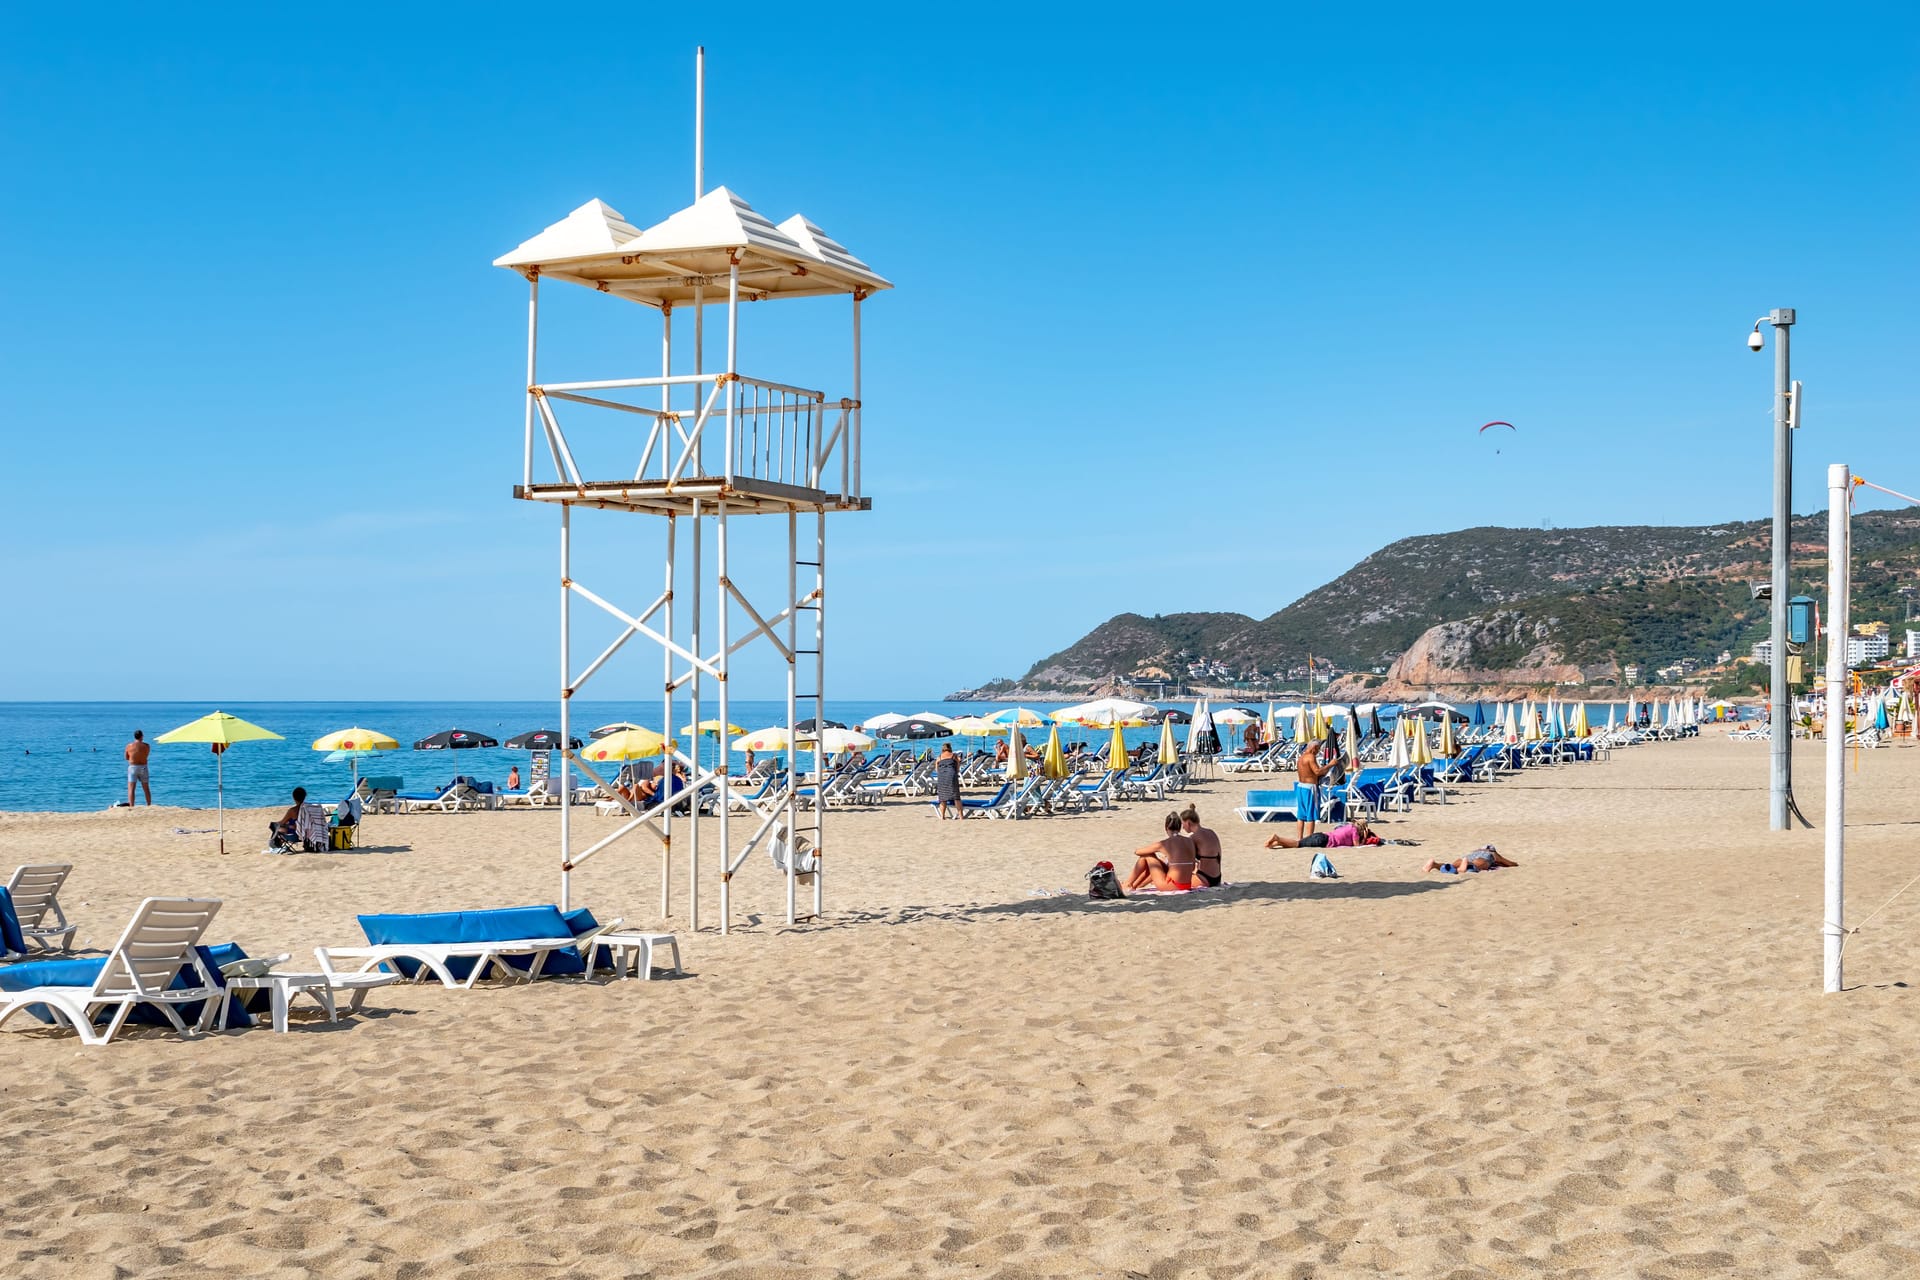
{"x": 136, "y": 753}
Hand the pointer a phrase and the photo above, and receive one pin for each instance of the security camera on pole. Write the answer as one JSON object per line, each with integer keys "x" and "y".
{"x": 1786, "y": 417}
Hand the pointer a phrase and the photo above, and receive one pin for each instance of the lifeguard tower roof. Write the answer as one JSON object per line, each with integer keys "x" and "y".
{"x": 693, "y": 248}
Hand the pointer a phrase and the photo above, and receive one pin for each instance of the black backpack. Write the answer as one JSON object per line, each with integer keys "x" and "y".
{"x": 1102, "y": 884}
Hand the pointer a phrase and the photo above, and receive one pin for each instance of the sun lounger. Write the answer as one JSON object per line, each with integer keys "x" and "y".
{"x": 452, "y": 798}
{"x": 459, "y": 948}
{"x": 145, "y": 968}
{"x": 1268, "y": 806}
{"x": 35, "y": 893}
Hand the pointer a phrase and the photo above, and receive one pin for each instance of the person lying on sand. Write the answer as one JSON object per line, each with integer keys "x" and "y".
{"x": 1167, "y": 863}
{"x": 1348, "y": 835}
{"x": 1486, "y": 858}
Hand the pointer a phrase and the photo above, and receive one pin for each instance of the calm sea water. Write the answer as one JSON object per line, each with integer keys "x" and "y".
{"x": 66, "y": 755}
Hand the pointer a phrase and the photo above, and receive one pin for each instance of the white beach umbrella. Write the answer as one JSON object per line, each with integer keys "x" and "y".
{"x": 1105, "y": 711}
{"x": 882, "y": 720}
{"x": 1610, "y": 712}
{"x": 935, "y": 716}
{"x": 834, "y": 741}
{"x": 1631, "y": 711}
{"x": 1202, "y": 721}
{"x": 1402, "y": 756}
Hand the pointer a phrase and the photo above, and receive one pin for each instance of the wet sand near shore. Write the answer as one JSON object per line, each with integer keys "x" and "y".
{"x": 1612, "y": 1060}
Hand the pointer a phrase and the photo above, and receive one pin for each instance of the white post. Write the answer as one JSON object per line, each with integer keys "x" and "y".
{"x": 1839, "y": 553}
{"x": 699, "y": 121}
{"x": 733, "y": 367}
{"x": 666, "y": 391}
{"x": 666, "y": 725}
{"x": 699, "y": 367}
{"x": 693, "y": 701}
{"x": 853, "y": 428}
{"x": 820, "y": 683}
{"x": 533, "y": 333}
{"x": 566, "y": 705}
{"x": 722, "y": 605}
{"x": 793, "y": 714}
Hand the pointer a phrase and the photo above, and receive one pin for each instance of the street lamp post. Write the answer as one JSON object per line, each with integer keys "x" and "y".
{"x": 1780, "y": 780}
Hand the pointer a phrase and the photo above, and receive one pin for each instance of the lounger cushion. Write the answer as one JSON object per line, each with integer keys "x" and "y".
{"x": 11, "y": 939}
{"x": 502, "y": 924}
{"x": 81, "y": 972}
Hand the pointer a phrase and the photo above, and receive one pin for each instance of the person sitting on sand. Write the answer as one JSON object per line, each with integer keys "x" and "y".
{"x": 1485, "y": 858}
{"x": 1348, "y": 835}
{"x": 1206, "y": 849}
{"x": 284, "y": 828}
{"x": 1167, "y": 863}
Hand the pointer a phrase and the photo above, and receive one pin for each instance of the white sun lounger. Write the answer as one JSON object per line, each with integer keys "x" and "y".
{"x": 433, "y": 957}
{"x": 36, "y": 893}
{"x": 158, "y": 943}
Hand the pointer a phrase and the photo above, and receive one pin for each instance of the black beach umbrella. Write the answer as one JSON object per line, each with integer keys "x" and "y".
{"x": 914, "y": 729}
{"x": 455, "y": 740}
{"x": 810, "y": 725}
{"x": 1173, "y": 716}
{"x": 540, "y": 740}
{"x": 1374, "y": 728}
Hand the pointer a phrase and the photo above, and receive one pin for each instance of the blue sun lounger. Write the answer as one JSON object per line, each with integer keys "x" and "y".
{"x": 1268, "y": 806}
{"x": 459, "y": 948}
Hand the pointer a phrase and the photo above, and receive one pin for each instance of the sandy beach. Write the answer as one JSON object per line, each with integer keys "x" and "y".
{"x": 1614, "y": 1060}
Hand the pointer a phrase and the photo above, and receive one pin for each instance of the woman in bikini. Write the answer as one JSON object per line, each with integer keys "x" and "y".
{"x": 1206, "y": 849}
{"x": 1166, "y": 864}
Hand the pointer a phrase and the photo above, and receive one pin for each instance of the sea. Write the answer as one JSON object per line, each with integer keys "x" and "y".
{"x": 66, "y": 756}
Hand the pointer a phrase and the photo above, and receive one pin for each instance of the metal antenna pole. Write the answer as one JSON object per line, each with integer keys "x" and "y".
{"x": 1780, "y": 781}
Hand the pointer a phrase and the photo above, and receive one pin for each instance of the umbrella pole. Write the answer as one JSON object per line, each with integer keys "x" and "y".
{"x": 220, "y": 796}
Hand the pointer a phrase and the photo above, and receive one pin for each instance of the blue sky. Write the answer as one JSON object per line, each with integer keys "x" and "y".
{"x": 1187, "y": 317}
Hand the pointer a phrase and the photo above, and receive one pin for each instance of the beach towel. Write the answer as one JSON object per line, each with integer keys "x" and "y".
{"x": 1323, "y": 869}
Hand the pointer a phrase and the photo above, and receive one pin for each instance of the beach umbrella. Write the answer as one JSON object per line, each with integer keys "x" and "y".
{"x": 771, "y": 738}
{"x": 616, "y": 727}
{"x": 874, "y": 724}
{"x": 834, "y": 741}
{"x": 1352, "y": 744}
{"x": 1303, "y": 726}
{"x": 1172, "y": 715}
{"x": 1533, "y": 730}
{"x": 1235, "y": 715}
{"x": 1402, "y": 756}
{"x": 1020, "y": 717}
{"x": 1117, "y": 749}
{"x": 975, "y": 726}
{"x": 1610, "y": 711}
{"x": 810, "y": 724}
{"x": 1447, "y": 746}
{"x": 1053, "y": 761}
{"x": 354, "y": 745}
{"x": 221, "y": 731}
{"x": 1631, "y": 711}
{"x": 706, "y": 729}
{"x": 629, "y": 744}
{"x": 1880, "y": 712}
{"x": 1016, "y": 754}
{"x": 1512, "y": 731}
{"x": 913, "y": 728}
{"x": 1169, "y": 749}
{"x": 1421, "y": 753}
{"x": 936, "y": 716}
{"x": 539, "y": 740}
{"x": 1479, "y": 715}
{"x": 1199, "y": 726}
{"x": 1106, "y": 711}
{"x": 455, "y": 740}
{"x": 1581, "y": 729}
{"x": 1905, "y": 713}
{"x": 1272, "y": 729}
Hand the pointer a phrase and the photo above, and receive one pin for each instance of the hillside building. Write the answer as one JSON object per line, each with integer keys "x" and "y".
{"x": 1913, "y": 642}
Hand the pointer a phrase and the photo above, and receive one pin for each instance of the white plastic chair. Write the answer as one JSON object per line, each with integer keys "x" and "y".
{"x": 159, "y": 942}
{"x": 35, "y": 889}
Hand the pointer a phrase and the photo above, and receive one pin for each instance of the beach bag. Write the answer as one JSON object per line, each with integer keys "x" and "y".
{"x": 1323, "y": 868}
{"x": 1102, "y": 884}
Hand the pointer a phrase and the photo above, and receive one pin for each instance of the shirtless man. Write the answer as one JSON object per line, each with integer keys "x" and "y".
{"x": 1206, "y": 848}
{"x": 1167, "y": 863}
{"x": 1306, "y": 795}
{"x": 137, "y": 752}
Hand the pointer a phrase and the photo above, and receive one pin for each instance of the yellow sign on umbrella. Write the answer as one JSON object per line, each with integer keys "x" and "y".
{"x": 222, "y": 731}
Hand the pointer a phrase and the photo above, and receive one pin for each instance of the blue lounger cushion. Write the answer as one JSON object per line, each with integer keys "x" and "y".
{"x": 11, "y": 939}
{"x": 501, "y": 924}
{"x": 81, "y": 971}
{"x": 1271, "y": 806}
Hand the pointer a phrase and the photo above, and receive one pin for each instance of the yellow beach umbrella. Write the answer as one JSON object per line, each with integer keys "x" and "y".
{"x": 1421, "y": 752}
{"x": 1320, "y": 723}
{"x": 1448, "y": 748}
{"x": 627, "y": 744}
{"x": 1053, "y": 762}
{"x": 1581, "y": 729}
{"x": 1117, "y": 749}
{"x": 1352, "y": 743}
{"x": 1303, "y": 726}
{"x": 1169, "y": 749}
{"x": 1016, "y": 756}
{"x": 356, "y": 740}
{"x": 1272, "y": 725}
{"x": 710, "y": 729}
{"x": 975, "y": 726}
{"x": 222, "y": 731}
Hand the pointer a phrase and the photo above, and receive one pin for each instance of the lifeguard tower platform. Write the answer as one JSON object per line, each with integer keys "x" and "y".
{"x": 714, "y": 446}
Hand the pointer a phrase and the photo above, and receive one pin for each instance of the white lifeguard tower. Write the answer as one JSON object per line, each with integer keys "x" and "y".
{"x": 714, "y": 446}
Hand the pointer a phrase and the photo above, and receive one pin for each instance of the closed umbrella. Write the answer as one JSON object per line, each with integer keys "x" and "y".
{"x": 1610, "y": 711}
{"x": 1581, "y": 729}
{"x": 1169, "y": 749}
{"x": 1448, "y": 748}
{"x": 1272, "y": 725}
{"x": 1200, "y": 726}
{"x": 221, "y": 731}
{"x": 1053, "y": 762}
{"x": 1421, "y": 753}
{"x": 1402, "y": 756}
{"x": 1117, "y": 749}
{"x": 1303, "y": 726}
{"x": 1352, "y": 744}
{"x": 1016, "y": 755}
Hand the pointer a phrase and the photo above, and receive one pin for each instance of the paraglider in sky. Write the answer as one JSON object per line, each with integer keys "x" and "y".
{"x": 1508, "y": 425}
